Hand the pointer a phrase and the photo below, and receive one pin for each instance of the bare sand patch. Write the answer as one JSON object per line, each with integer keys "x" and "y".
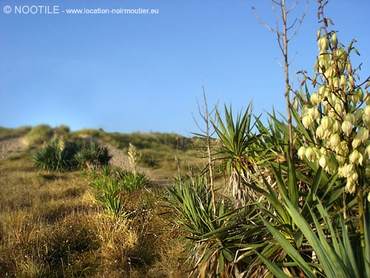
{"x": 12, "y": 146}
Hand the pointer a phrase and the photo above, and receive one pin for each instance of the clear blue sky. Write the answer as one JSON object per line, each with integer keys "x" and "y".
{"x": 129, "y": 73}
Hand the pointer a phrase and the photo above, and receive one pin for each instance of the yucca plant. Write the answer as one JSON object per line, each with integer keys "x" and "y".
{"x": 131, "y": 181}
{"x": 332, "y": 143}
{"x": 221, "y": 241}
{"x": 277, "y": 218}
{"x": 277, "y": 174}
{"x": 336, "y": 249}
{"x": 56, "y": 156}
{"x": 92, "y": 155}
{"x": 106, "y": 170}
{"x": 338, "y": 113}
{"x": 260, "y": 166}
{"x": 107, "y": 192}
{"x": 237, "y": 138}
{"x": 112, "y": 188}
{"x": 212, "y": 234}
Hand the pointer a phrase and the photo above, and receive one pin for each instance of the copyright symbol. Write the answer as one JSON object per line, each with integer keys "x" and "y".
{"x": 7, "y": 9}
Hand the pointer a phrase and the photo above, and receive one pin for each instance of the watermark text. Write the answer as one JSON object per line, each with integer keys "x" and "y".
{"x": 56, "y": 10}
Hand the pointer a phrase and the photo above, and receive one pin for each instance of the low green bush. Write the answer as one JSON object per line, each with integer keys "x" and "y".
{"x": 92, "y": 155}
{"x": 61, "y": 155}
{"x": 110, "y": 189}
{"x": 132, "y": 181}
{"x": 57, "y": 156}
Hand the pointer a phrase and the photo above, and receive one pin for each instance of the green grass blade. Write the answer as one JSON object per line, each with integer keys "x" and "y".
{"x": 291, "y": 251}
{"x": 350, "y": 259}
{"x": 292, "y": 183}
{"x": 273, "y": 268}
{"x": 331, "y": 264}
{"x": 366, "y": 258}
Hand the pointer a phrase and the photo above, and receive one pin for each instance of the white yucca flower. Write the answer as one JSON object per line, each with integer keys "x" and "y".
{"x": 302, "y": 152}
{"x": 335, "y": 140}
{"x": 323, "y": 161}
{"x": 356, "y": 157}
{"x": 362, "y": 134}
{"x": 347, "y": 127}
{"x": 310, "y": 154}
{"x": 307, "y": 121}
{"x": 350, "y": 186}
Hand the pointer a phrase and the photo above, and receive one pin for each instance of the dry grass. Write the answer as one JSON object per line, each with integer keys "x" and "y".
{"x": 50, "y": 226}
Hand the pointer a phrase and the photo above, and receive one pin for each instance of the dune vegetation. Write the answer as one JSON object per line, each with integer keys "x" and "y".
{"x": 83, "y": 219}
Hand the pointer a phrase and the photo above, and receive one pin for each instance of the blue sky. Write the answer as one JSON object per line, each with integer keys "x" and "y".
{"x": 129, "y": 73}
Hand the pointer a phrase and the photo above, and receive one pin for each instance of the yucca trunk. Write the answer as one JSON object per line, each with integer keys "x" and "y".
{"x": 239, "y": 182}
{"x": 237, "y": 188}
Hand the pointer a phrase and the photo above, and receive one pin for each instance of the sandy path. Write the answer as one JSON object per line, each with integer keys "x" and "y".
{"x": 12, "y": 146}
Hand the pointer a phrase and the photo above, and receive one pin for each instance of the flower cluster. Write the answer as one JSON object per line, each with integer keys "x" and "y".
{"x": 339, "y": 114}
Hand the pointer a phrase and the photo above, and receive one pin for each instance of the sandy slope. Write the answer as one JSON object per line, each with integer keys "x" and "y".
{"x": 12, "y": 146}
{"x": 119, "y": 158}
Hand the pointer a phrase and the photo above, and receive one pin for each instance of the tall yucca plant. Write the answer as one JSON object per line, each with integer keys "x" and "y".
{"x": 237, "y": 138}
{"x": 278, "y": 175}
{"x": 339, "y": 115}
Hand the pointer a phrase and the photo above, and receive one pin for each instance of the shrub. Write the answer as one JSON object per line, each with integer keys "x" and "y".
{"x": 92, "y": 155}
{"x": 132, "y": 181}
{"x": 60, "y": 155}
{"x": 57, "y": 156}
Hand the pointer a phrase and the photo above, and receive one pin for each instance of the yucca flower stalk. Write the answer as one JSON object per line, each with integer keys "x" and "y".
{"x": 132, "y": 157}
{"x": 341, "y": 128}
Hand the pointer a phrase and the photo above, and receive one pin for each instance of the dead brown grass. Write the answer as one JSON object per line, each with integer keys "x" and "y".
{"x": 50, "y": 226}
